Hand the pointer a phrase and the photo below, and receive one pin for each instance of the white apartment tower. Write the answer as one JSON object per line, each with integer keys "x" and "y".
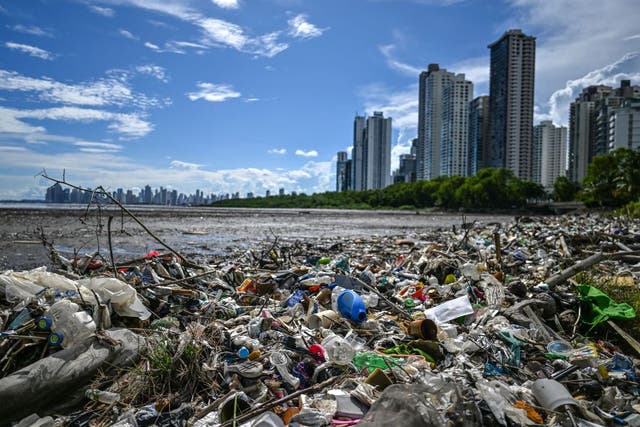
{"x": 431, "y": 87}
{"x": 456, "y": 96}
{"x": 549, "y": 153}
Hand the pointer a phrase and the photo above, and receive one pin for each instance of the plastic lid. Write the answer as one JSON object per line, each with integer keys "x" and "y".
{"x": 55, "y": 339}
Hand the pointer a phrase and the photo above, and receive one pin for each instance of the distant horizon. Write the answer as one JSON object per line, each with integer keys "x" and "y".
{"x": 249, "y": 96}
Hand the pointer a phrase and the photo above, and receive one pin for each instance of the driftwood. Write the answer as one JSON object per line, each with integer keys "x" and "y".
{"x": 584, "y": 264}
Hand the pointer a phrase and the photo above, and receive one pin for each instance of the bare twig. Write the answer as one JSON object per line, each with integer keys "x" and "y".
{"x": 101, "y": 191}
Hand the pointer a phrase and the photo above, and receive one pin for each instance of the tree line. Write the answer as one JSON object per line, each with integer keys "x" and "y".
{"x": 612, "y": 180}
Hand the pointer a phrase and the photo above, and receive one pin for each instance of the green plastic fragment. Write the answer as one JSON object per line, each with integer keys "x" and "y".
{"x": 602, "y": 306}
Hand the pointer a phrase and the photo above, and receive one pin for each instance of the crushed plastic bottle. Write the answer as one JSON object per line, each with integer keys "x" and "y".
{"x": 69, "y": 325}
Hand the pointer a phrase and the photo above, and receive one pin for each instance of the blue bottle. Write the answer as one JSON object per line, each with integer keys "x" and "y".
{"x": 351, "y": 306}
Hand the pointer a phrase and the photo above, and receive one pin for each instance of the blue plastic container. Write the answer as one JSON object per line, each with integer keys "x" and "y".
{"x": 351, "y": 306}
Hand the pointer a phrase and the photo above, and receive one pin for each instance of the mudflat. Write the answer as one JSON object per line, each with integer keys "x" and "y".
{"x": 200, "y": 233}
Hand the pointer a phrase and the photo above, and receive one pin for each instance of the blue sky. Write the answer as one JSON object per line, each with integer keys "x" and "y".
{"x": 254, "y": 95}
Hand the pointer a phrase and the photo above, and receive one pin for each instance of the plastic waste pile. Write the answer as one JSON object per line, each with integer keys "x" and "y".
{"x": 485, "y": 324}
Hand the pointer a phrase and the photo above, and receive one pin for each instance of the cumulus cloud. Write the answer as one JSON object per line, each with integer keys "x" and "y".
{"x": 226, "y": 4}
{"x": 299, "y": 27}
{"x": 279, "y": 151}
{"x": 310, "y": 153}
{"x": 213, "y": 92}
{"x": 32, "y": 30}
{"x": 127, "y": 173}
{"x": 104, "y": 11}
{"x": 36, "y": 52}
{"x": 625, "y": 68}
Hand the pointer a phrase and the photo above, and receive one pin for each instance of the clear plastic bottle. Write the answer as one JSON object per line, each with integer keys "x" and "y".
{"x": 337, "y": 349}
{"x": 101, "y": 396}
{"x": 69, "y": 325}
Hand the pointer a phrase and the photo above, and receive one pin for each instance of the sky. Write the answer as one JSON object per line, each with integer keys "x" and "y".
{"x": 252, "y": 95}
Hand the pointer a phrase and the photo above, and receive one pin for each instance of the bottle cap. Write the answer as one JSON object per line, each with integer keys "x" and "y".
{"x": 44, "y": 323}
{"x": 55, "y": 339}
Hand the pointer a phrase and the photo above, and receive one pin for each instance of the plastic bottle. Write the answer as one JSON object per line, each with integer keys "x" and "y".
{"x": 350, "y": 305}
{"x": 337, "y": 349}
{"x": 69, "y": 325}
{"x": 107, "y": 397}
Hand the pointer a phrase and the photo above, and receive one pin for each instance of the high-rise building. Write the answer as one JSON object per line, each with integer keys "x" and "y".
{"x": 378, "y": 151}
{"x": 343, "y": 172}
{"x": 600, "y": 119}
{"x": 359, "y": 154}
{"x": 454, "y": 140}
{"x": 582, "y": 130}
{"x": 511, "y": 85}
{"x": 478, "y": 135}
{"x": 430, "y": 91}
{"x": 624, "y": 126}
{"x": 549, "y": 153}
{"x": 371, "y": 163}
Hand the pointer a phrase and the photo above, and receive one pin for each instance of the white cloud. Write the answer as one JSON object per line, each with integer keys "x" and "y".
{"x": 104, "y": 11}
{"x": 310, "y": 153}
{"x": 402, "y": 106}
{"x": 215, "y": 32}
{"x": 114, "y": 90}
{"x": 633, "y": 37}
{"x": 226, "y": 4}
{"x": 131, "y": 125}
{"x": 12, "y": 148}
{"x": 213, "y": 92}
{"x": 299, "y": 27}
{"x": 279, "y": 151}
{"x": 154, "y": 71}
{"x": 625, "y": 68}
{"x": 252, "y": 99}
{"x": 103, "y": 147}
{"x": 152, "y": 46}
{"x": 127, "y": 34}
{"x": 177, "y": 164}
{"x": 31, "y": 29}
{"x": 124, "y": 172}
{"x": 36, "y": 52}
{"x": 394, "y": 64}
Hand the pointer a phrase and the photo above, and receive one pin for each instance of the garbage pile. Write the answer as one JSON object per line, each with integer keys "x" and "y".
{"x": 484, "y": 324}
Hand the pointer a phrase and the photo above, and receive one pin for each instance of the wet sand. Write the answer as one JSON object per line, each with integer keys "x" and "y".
{"x": 198, "y": 233}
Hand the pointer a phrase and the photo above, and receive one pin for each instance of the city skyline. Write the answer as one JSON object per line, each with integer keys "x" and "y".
{"x": 248, "y": 97}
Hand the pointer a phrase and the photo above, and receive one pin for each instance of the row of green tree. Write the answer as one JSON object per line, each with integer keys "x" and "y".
{"x": 612, "y": 180}
{"x": 490, "y": 188}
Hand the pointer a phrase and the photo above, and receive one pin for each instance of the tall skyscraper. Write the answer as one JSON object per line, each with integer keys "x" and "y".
{"x": 359, "y": 154}
{"x": 478, "y": 135}
{"x": 582, "y": 130}
{"x": 371, "y": 163}
{"x": 431, "y": 87}
{"x": 511, "y": 85}
{"x": 378, "y": 151}
{"x": 343, "y": 172}
{"x": 549, "y": 153}
{"x": 601, "y": 119}
{"x": 456, "y": 96}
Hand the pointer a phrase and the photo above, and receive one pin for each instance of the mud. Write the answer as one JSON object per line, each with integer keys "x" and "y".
{"x": 199, "y": 233}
